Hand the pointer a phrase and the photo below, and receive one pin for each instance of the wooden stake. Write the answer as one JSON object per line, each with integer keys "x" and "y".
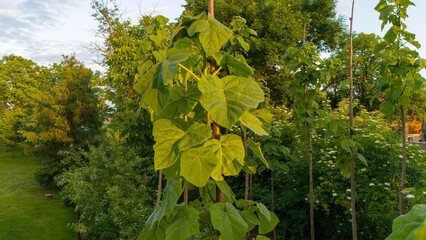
{"x": 351, "y": 120}
{"x": 311, "y": 184}
{"x": 216, "y": 128}
{"x": 404, "y": 164}
{"x": 246, "y": 192}
{"x": 160, "y": 179}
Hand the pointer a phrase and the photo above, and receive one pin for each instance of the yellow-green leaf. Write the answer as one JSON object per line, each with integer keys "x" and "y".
{"x": 174, "y": 137}
{"x": 226, "y": 99}
{"x": 230, "y": 154}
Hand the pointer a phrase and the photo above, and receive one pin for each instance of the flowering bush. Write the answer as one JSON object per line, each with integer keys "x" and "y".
{"x": 376, "y": 183}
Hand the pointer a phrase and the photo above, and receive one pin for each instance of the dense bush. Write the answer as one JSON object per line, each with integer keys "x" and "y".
{"x": 376, "y": 183}
{"x": 110, "y": 189}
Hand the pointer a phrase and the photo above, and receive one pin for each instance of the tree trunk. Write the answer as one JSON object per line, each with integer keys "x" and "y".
{"x": 351, "y": 120}
{"x": 216, "y": 128}
{"x": 160, "y": 179}
{"x": 404, "y": 164}
{"x": 251, "y": 186}
{"x": 273, "y": 201}
{"x": 78, "y": 220}
{"x": 311, "y": 184}
{"x": 246, "y": 192}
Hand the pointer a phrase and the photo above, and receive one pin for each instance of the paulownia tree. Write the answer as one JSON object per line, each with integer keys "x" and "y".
{"x": 400, "y": 69}
{"x": 307, "y": 74}
{"x": 197, "y": 82}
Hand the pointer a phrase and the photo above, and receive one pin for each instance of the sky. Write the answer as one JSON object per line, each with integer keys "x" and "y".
{"x": 43, "y": 30}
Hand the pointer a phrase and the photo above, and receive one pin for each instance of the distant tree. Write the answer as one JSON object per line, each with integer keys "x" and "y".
{"x": 366, "y": 72}
{"x": 65, "y": 112}
{"x": 19, "y": 81}
{"x": 122, "y": 49}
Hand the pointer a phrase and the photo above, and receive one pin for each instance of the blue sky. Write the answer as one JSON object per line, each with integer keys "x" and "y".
{"x": 43, "y": 30}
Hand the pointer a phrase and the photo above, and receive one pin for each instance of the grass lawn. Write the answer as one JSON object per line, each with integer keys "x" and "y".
{"x": 24, "y": 214}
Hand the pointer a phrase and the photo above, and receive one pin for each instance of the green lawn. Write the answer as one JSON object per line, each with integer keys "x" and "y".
{"x": 24, "y": 214}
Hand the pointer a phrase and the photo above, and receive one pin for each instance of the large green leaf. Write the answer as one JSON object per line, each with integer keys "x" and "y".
{"x": 212, "y": 33}
{"x": 266, "y": 225}
{"x": 196, "y": 165}
{"x": 152, "y": 84}
{"x": 251, "y": 122}
{"x": 174, "y": 137}
{"x": 180, "y": 102}
{"x": 157, "y": 232}
{"x": 228, "y": 221}
{"x": 411, "y": 226}
{"x": 172, "y": 193}
{"x": 228, "y": 194}
{"x": 250, "y": 218}
{"x": 235, "y": 66}
{"x": 230, "y": 154}
{"x": 154, "y": 94}
{"x": 255, "y": 147}
{"x": 259, "y": 121}
{"x": 184, "y": 224}
{"x": 208, "y": 192}
{"x": 226, "y": 99}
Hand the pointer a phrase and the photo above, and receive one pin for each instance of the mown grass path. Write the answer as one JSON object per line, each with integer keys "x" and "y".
{"x": 24, "y": 214}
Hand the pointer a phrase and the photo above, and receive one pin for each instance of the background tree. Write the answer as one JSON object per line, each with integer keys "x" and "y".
{"x": 19, "y": 81}
{"x": 308, "y": 73}
{"x": 122, "y": 49}
{"x": 279, "y": 25}
{"x": 365, "y": 71}
{"x": 65, "y": 112}
{"x": 400, "y": 70}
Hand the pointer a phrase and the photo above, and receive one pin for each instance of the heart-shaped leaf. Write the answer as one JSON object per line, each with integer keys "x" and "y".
{"x": 226, "y": 99}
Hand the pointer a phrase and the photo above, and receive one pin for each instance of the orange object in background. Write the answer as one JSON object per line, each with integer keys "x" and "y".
{"x": 414, "y": 127}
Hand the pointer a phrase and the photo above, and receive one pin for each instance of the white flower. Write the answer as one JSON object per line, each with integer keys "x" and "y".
{"x": 386, "y": 188}
{"x": 348, "y": 198}
{"x": 371, "y": 184}
{"x": 387, "y": 184}
{"x": 410, "y": 196}
{"x": 348, "y": 190}
{"x": 363, "y": 169}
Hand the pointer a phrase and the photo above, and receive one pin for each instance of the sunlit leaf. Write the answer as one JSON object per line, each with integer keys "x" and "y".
{"x": 226, "y": 99}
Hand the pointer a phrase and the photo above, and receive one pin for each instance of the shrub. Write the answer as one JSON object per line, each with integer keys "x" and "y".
{"x": 110, "y": 189}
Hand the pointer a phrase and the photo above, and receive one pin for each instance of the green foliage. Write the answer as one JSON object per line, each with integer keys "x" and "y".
{"x": 228, "y": 221}
{"x": 226, "y": 99}
{"x": 366, "y": 73}
{"x": 64, "y": 112}
{"x": 125, "y": 44}
{"x": 377, "y": 184}
{"x": 184, "y": 146}
{"x": 270, "y": 28}
{"x": 109, "y": 189}
{"x": 20, "y": 80}
{"x": 410, "y": 226}
{"x": 400, "y": 65}
{"x": 307, "y": 74}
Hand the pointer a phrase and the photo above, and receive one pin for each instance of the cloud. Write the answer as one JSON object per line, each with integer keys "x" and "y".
{"x": 20, "y": 20}
{"x": 154, "y": 10}
{"x": 36, "y": 29}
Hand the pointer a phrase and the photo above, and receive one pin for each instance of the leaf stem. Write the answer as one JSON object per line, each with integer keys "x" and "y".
{"x": 180, "y": 65}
